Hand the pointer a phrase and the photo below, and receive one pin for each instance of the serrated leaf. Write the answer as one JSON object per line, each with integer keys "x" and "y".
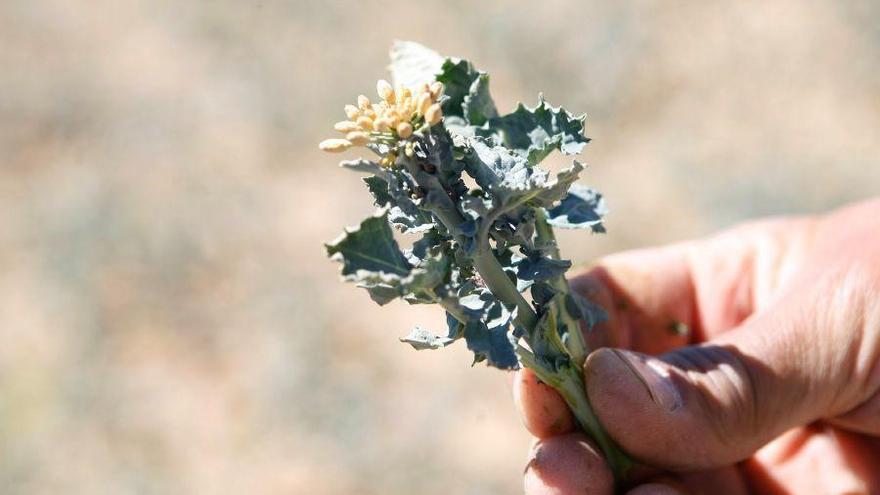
{"x": 478, "y": 106}
{"x": 363, "y": 166}
{"x": 404, "y": 214}
{"x": 369, "y": 250}
{"x": 495, "y": 345}
{"x": 581, "y": 208}
{"x": 372, "y": 259}
{"x": 378, "y": 187}
{"x": 421, "y": 339}
{"x": 540, "y": 268}
{"x": 512, "y": 180}
{"x": 467, "y": 92}
{"x": 581, "y": 308}
{"x": 413, "y": 64}
{"x": 535, "y": 132}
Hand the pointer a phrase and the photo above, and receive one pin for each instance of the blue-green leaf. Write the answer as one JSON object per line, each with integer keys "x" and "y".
{"x": 581, "y": 208}
{"x": 512, "y": 180}
{"x": 535, "y": 132}
{"x": 467, "y": 92}
{"x": 369, "y": 250}
{"x": 537, "y": 267}
{"x": 495, "y": 345}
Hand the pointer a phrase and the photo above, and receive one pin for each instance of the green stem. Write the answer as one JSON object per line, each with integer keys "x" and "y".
{"x": 570, "y": 385}
{"x": 502, "y": 287}
{"x": 484, "y": 261}
{"x": 575, "y": 344}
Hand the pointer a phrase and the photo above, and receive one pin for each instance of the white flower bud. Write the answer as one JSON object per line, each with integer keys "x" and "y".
{"x": 404, "y": 130}
{"x": 335, "y": 145}
{"x": 386, "y": 92}
{"x": 382, "y": 124}
{"x": 352, "y": 112}
{"x": 424, "y": 103}
{"x": 365, "y": 123}
{"x": 346, "y": 126}
{"x": 363, "y": 102}
{"x": 437, "y": 90}
{"x": 358, "y": 138}
{"x": 434, "y": 114}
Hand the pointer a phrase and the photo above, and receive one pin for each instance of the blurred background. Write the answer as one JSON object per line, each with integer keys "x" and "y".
{"x": 168, "y": 321}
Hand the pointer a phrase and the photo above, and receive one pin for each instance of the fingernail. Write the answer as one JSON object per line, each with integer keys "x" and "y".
{"x": 654, "y": 377}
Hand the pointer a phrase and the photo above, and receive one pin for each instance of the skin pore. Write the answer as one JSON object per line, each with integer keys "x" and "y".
{"x": 748, "y": 362}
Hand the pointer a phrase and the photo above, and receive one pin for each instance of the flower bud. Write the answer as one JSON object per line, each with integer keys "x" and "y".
{"x": 386, "y": 92}
{"x": 394, "y": 115}
{"x": 434, "y": 114}
{"x": 424, "y": 103}
{"x": 352, "y": 112}
{"x": 437, "y": 90}
{"x": 365, "y": 123}
{"x": 388, "y": 160}
{"x": 382, "y": 124}
{"x": 363, "y": 102}
{"x": 346, "y": 126}
{"x": 404, "y": 130}
{"x": 335, "y": 145}
{"x": 358, "y": 138}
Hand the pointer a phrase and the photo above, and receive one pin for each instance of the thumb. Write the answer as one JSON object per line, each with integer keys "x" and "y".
{"x": 715, "y": 404}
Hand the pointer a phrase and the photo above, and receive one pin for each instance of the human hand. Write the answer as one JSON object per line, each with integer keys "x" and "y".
{"x": 767, "y": 375}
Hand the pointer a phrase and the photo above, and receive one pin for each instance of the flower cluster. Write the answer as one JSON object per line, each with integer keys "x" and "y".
{"x": 396, "y": 116}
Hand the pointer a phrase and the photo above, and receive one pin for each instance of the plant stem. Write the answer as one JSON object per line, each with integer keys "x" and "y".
{"x": 484, "y": 260}
{"x": 575, "y": 344}
{"x": 566, "y": 379}
{"x": 570, "y": 385}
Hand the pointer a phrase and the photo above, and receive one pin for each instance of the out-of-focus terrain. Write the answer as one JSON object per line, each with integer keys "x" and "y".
{"x": 168, "y": 322}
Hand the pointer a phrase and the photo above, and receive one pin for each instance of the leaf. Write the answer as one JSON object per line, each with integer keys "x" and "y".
{"x": 379, "y": 189}
{"x": 535, "y": 132}
{"x": 541, "y": 268}
{"x": 369, "y": 250}
{"x": 513, "y": 181}
{"x": 409, "y": 219}
{"x": 372, "y": 259}
{"x": 494, "y": 345}
{"x": 422, "y": 339}
{"x": 467, "y": 92}
{"x": 404, "y": 214}
{"x": 581, "y": 308}
{"x": 582, "y": 208}
{"x": 478, "y": 106}
{"x": 413, "y": 64}
{"x": 365, "y": 166}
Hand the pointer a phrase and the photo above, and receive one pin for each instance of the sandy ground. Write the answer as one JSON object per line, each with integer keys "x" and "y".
{"x": 168, "y": 321}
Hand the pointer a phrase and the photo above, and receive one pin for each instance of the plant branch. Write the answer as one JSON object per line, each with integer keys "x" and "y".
{"x": 484, "y": 261}
{"x": 575, "y": 344}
